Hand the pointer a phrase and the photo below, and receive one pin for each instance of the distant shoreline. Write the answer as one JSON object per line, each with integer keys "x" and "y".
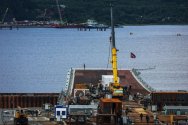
{"x": 25, "y": 26}
{"x": 2, "y": 26}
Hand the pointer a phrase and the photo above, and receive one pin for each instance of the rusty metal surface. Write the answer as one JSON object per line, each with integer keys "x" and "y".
{"x": 94, "y": 76}
{"x": 13, "y": 100}
{"x": 110, "y": 100}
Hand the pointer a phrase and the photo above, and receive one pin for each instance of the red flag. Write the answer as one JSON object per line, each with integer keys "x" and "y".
{"x": 133, "y": 55}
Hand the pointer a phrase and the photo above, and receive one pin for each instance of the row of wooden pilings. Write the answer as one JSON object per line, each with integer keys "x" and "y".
{"x": 88, "y": 29}
{"x": 10, "y": 27}
{"x": 27, "y": 100}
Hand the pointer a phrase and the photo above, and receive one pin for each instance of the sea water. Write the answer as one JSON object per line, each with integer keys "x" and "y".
{"x": 37, "y": 59}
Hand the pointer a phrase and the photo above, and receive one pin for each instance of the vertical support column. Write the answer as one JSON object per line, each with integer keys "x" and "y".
{"x": 32, "y": 101}
{"x": 38, "y": 101}
{"x": 29, "y": 101}
{"x": 21, "y": 101}
{"x": 1, "y": 104}
{"x": 5, "y": 101}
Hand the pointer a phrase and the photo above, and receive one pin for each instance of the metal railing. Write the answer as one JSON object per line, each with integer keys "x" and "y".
{"x": 66, "y": 91}
{"x": 137, "y": 74}
{"x": 71, "y": 82}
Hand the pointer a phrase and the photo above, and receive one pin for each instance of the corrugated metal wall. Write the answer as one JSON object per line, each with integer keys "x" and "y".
{"x": 169, "y": 98}
{"x": 8, "y": 100}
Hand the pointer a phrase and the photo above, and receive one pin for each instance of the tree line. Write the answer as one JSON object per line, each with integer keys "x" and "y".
{"x": 78, "y": 11}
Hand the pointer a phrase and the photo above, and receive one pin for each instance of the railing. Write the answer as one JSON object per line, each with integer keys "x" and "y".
{"x": 171, "y": 91}
{"x": 60, "y": 98}
{"x": 69, "y": 84}
{"x": 137, "y": 75}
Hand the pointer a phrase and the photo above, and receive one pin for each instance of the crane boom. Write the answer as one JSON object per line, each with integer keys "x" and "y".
{"x": 114, "y": 50}
{"x": 4, "y": 15}
{"x": 115, "y": 87}
{"x": 59, "y": 11}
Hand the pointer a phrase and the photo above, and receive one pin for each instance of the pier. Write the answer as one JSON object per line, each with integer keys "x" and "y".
{"x": 90, "y": 28}
{"x": 8, "y": 26}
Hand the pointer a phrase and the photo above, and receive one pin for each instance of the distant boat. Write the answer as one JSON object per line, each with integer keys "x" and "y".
{"x": 118, "y": 26}
{"x": 94, "y": 24}
{"x": 178, "y": 34}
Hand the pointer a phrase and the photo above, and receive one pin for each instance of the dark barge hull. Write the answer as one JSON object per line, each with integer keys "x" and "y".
{"x": 94, "y": 76}
{"x": 24, "y": 100}
{"x": 128, "y": 78}
{"x": 169, "y": 98}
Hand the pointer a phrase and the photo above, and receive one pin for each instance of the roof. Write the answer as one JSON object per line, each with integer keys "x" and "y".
{"x": 176, "y": 107}
{"x": 140, "y": 110}
{"x": 105, "y": 100}
{"x": 168, "y": 92}
{"x": 83, "y": 106}
{"x": 107, "y": 76}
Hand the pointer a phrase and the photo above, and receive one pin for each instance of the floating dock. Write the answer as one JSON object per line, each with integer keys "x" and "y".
{"x": 129, "y": 78}
{"x": 94, "y": 76}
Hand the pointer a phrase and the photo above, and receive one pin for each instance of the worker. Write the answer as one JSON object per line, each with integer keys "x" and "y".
{"x": 127, "y": 111}
{"x": 141, "y": 116}
{"x": 100, "y": 87}
{"x": 147, "y": 119}
{"x": 130, "y": 87}
{"x": 84, "y": 66}
{"x": 119, "y": 117}
{"x": 36, "y": 112}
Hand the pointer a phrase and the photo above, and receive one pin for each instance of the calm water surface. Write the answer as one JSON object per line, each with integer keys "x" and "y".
{"x": 37, "y": 60}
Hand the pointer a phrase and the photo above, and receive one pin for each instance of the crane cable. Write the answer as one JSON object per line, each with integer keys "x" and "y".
{"x": 109, "y": 52}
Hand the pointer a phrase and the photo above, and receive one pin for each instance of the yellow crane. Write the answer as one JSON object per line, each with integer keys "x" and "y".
{"x": 115, "y": 87}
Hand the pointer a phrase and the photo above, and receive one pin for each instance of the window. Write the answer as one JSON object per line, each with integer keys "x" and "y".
{"x": 63, "y": 112}
{"x": 58, "y": 113}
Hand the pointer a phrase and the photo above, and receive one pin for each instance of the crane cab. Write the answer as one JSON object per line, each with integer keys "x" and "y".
{"x": 117, "y": 91}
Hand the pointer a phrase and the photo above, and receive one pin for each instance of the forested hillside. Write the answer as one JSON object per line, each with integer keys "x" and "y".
{"x": 75, "y": 11}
